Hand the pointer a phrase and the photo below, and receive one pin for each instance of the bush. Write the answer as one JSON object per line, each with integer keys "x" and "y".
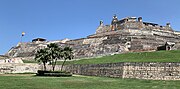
{"x": 54, "y": 73}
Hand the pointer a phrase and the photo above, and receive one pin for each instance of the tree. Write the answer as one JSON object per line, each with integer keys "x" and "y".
{"x": 55, "y": 53}
{"x": 42, "y": 55}
{"x": 67, "y": 54}
{"x": 52, "y": 53}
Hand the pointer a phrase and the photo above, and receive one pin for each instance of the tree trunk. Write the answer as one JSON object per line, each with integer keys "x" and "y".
{"x": 54, "y": 64}
{"x": 44, "y": 66}
{"x": 63, "y": 64}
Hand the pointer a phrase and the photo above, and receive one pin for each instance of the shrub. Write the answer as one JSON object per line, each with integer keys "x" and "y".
{"x": 54, "y": 73}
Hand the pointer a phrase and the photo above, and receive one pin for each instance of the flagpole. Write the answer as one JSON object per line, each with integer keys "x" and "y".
{"x": 21, "y": 39}
{"x": 23, "y": 33}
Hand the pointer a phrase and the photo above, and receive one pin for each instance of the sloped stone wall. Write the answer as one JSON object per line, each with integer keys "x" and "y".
{"x": 107, "y": 43}
{"x": 2, "y": 57}
{"x": 154, "y": 71}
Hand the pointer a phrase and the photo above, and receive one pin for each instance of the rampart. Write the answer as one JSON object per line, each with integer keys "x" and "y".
{"x": 154, "y": 71}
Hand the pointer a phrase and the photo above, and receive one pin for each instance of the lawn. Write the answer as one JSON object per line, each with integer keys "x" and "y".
{"x": 81, "y": 82}
{"x": 158, "y": 56}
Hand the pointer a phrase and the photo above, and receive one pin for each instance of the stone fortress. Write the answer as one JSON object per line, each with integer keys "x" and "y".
{"x": 126, "y": 35}
{"x": 129, "y": 34}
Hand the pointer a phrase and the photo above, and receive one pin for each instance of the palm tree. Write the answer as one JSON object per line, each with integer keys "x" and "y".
{"x": 52, "y": 53}
{"x": 55, "y": 52}
{"x": 42, "y": 56}
{"x": 67, "y": 54}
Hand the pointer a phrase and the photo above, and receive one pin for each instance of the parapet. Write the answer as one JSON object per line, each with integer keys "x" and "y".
{"x": 131, "y": 23}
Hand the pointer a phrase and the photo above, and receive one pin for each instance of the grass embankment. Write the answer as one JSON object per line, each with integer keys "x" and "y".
{"x": 158, "y": 56}
{"x": 30, "y": 61}
{"x": 82, "y": 82}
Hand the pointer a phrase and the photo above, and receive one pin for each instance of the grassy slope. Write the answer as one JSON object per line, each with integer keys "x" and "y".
{"x": 82, "y": 82}
{"x": 29, "y": 61}
{"x": 158, "y": 56}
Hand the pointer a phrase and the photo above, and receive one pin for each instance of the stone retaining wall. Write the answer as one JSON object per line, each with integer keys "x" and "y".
{"x": 18, "y": 68}
{"x": 155, "y": 71}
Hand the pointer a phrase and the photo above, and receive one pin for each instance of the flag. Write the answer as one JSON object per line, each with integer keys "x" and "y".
{"x": 23, "y": 33}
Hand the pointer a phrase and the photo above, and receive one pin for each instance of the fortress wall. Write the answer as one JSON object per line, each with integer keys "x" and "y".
{"x": 103, "y": 29}
{"x": 93, "y": 50}
{"x": 132, "y": 25}
{"x": 2, "y": 57}
{"x": 98, "y": 46}
{"x": 145, "y": 43}
{"x": 25, "y": 49}
{"x": 76, "y": 42}
{"x": 18, "y": 68}
{"x": 154, "y": 71}
{"x": 108, "y": 70}
{"x": 106, "y": 43}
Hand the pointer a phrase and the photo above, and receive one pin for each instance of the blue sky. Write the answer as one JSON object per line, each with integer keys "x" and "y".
{"x": 59, "y": 19}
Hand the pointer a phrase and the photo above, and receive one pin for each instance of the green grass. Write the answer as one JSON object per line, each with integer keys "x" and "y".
{"x": 30, "y": 61}
{"x": 158, "y": 56}
{"x": 82, "y": 82}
